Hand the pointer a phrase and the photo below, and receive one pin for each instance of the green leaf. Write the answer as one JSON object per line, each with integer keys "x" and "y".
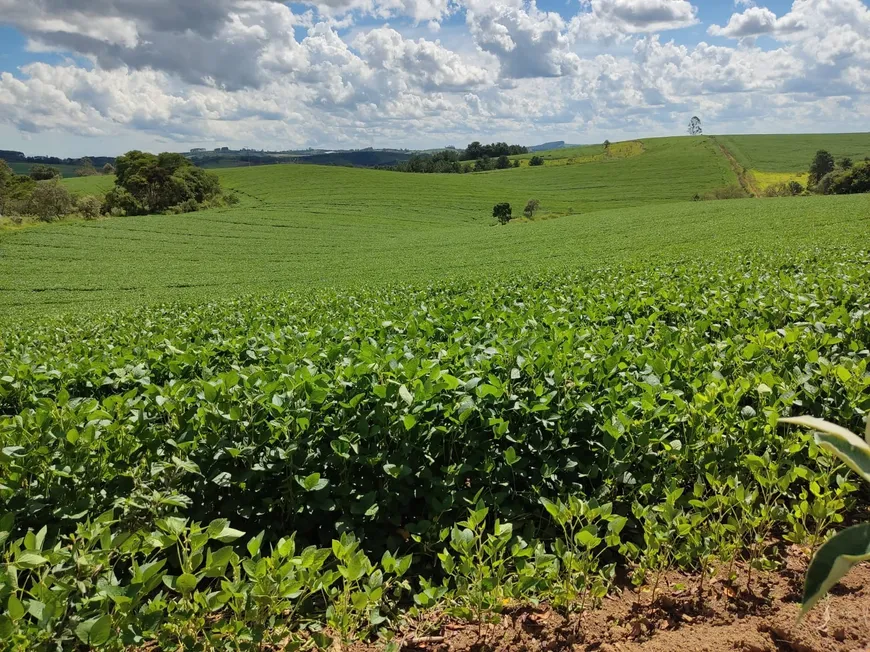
{"x": 253, "y": 545}
{"x": 406, "y": 395}
{"x": 409, "y": 421}
{"x": 849, "y": 447}
{"x": 30, "y": 560}
{"x": 833, "y": 560}
{"x": 96, "y": 631}
{"x": 186, "y": 583}
{"x": 313, "y": 482}
{"x": 511, "y": 457}
{"x": 15, "y": 608}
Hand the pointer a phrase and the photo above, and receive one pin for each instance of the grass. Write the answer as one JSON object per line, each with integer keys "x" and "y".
{"x": 793, "y": 153}
{"x": 94, "y": 185}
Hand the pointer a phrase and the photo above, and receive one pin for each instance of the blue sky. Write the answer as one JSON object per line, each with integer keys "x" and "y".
{"x": 170, "y": 74}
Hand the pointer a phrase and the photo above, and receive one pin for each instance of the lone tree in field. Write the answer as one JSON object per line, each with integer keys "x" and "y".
{"x": 695, "y": 126}
{"x": 531, "y": 208}
{"x": 503, "y": 162}
{"x": 606, "y": 145}
{"x": 822, "y": 164}
{"x": 502, "y": 212}
{"x": 536, "y": 160}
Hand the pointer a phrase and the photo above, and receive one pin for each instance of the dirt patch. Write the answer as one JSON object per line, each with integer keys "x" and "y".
{"x": 728, "y": 617}
{"x": 747, "y": 182}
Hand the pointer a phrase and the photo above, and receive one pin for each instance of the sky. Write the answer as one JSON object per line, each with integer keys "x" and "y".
{"x": 100, "y": 77}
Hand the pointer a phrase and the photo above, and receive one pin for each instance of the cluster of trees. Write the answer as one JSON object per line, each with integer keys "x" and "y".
{"x": 46, "y": 199}
{"x": 843, "y": 177}
{"x": 163, "y": 183}
{"x": 476, "y": 151}
{"x": 456, "y": 161}
{"x": 144, "y": 184}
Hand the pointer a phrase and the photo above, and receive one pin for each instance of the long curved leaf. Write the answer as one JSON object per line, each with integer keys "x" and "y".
{"x": 846, "y": 445}
{"x": 833, "y": 560}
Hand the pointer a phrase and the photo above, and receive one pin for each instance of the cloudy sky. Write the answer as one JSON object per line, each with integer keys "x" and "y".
{"x": 103, "y": 76}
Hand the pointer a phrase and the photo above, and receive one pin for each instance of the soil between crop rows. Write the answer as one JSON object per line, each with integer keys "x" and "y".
{"x": 731, "y": 617}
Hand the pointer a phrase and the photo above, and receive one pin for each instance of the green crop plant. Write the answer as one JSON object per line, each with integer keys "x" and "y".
{"x": 850, "y": 546}
{"x": 588, "y": 530}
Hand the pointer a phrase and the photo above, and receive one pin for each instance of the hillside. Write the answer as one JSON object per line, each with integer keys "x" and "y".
{"x": 301, "y": 226}
{"x": 794, "y": 152}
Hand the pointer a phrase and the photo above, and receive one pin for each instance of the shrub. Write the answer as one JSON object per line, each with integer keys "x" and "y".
{"x": 516, "y": 163}
{"x": 536, "y": 161}
{"x": 795, "y": 188}
{"x": 531, "y": 208}
{"x": 784, "y": 189}
{"x": 50, "y": 201}
{"x": 727, "y": 192}
{"x": 44, "y": 173}
{"x": 502, "y": 212}
{"x": 89, "y": 207}
{"x": 108, "y": 169}
{"x": 846, "y": 163}
{"x": 503, "y": 163}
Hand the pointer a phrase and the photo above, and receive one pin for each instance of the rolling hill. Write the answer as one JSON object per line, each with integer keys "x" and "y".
{"x": 304, "y": 226}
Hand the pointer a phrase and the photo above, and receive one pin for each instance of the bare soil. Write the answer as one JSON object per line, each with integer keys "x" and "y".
{"x": 728, "y": 617}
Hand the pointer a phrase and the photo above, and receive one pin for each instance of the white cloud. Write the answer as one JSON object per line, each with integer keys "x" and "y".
{"x": 258, "y": 73}
{"x": 525, "y": 41}
{"x": 613, "y": 19}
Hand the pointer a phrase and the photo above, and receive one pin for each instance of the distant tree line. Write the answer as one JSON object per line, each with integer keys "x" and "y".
{"x": 84, "y": 164}
{"x": 474, "y": 158}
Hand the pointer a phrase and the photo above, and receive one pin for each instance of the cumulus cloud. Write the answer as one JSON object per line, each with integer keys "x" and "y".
{"x": 260, "y": 73}
{"x": 526, "y": 42}
{"x": 609, "y": 19}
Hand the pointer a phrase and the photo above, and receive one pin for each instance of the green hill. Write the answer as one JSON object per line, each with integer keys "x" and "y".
{"x": 794, "y": 152}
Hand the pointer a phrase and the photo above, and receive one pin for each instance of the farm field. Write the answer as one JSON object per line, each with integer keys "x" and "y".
{"x": 793, "y": 153}
{"x": 299, "y": 226}
{"x": 353, "y": 409}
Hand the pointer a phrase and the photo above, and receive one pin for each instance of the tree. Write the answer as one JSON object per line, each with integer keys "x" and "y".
{"x": 695, "y": 126}
{"x": 15, "y": 190}
{"x": 846, "y": 163}
{"x": 145, "y": 183}
{"x": 50, "y": 201}
{"x": 535, "y": 161}
{"x": 531, "y": 208}
{"x": 502, "y": 212}
{"x": 44, "y": 173}
{"x": 503, "y": 162}
{"x": 606, "y": 145}
{"x": 822, "y": 164}
{"x": 516, "y": 163}
{"x": 86, "y": 168}
{"x": 108, "y": 169}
